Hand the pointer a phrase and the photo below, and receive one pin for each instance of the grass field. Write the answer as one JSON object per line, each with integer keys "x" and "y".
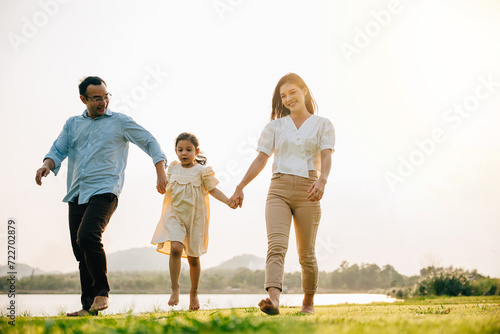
{"x": 430, "y": 315}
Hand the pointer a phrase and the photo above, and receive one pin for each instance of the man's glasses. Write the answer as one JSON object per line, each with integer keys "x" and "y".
{"x": 99, "y": 98}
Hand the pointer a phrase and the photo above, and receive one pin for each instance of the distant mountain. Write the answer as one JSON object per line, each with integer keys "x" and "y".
{"x": 249, "y": 261}
{"x": 145, "y": 259}
{"x": 148, "y": 259}
{"x": 23, "y": 270}
{"x": 138, "y": 259}
{"x": 135, "y": 259}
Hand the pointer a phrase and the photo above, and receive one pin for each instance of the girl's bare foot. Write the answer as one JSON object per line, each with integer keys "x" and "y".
{"x": 194, "y": 303}
{"x": 269, "y": 307}
{"x": 174, "y": 297}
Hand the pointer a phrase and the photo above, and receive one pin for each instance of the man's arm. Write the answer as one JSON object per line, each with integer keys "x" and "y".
{"x": 43, "y": 171}
{"x": 58, "y": 152}
{"x": 161, "y": 176}
{"x": 145, "y": 141}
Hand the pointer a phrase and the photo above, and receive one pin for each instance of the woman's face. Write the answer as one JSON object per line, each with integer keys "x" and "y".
{"x": 293, "y": 97}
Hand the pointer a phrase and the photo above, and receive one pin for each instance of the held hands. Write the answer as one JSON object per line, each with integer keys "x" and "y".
{"x": 316, "y": 190}
{"x": 161, "y": 183}
{"x": 221, "y": 197}
{"x": 237, "y": 199}
{"x": 161, "y": 177}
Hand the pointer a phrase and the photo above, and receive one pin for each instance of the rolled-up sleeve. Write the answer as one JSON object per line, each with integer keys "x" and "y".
{"x": 266, "y": 140}
{"x": 59, "y": 150}
{"x": 327, "y": 136}
{"x": 136, "y": 134}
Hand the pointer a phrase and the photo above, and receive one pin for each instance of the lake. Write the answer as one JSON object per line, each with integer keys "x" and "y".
{"x": 50, "y": 305}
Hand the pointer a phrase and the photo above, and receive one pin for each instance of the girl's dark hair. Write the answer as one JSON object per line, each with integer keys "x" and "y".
{"x": 200, "y": 158}
{"x": 278, "y": 109}
{"x": 86, "y": 82}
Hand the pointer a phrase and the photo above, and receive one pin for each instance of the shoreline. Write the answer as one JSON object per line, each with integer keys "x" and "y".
{"x": 217, "y": 292}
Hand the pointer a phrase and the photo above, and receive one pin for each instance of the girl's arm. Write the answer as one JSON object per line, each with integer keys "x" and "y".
{"x": 219, "y": 195}
{"x": 255, "y": 168}
{"x": 318, "y": 187}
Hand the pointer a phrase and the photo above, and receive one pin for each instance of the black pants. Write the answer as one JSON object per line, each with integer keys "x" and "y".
{"x": 87, "y": 223}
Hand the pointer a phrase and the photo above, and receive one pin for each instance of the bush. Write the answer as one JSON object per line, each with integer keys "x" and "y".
{"x": 486, "y": 287}
{"x": 450, "y": 283}
{"x": 455, "y": 282}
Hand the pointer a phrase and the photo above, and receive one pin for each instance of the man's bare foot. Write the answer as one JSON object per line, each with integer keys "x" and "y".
{"x": 81, "y": 313}
{"x": 194, "y": 303}
{"x": 307, "y": 309}
{"x": 100, "y": 303}
{"x": 268, "y": 307}
{"x": 174, "y": 298}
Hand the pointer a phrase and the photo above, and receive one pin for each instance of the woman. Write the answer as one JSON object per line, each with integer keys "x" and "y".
{"x": 302, "y": 144}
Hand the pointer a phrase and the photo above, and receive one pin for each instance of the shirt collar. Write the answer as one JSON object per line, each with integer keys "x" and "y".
{"x": 108, "y": 113}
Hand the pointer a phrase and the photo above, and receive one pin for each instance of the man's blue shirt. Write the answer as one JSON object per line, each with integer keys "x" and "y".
{"x": 97, "y": 151}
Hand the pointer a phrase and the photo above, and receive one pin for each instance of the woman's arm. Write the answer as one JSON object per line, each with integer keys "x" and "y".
{"x": 318, "y": 187}
{"x": 255, "y": 168}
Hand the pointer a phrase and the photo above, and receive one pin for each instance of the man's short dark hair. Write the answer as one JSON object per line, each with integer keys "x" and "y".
{"x": 89, "y": 81}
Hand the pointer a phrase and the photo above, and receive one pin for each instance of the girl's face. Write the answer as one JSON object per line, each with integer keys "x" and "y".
{"x": 186, "y": 152}
{"x": 293, "y": 97}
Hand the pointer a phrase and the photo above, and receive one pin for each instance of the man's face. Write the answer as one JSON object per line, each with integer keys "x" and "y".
{"x": 96, "y": 100}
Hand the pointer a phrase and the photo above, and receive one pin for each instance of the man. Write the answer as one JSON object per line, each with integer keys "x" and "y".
{"x": 96, "y": 144}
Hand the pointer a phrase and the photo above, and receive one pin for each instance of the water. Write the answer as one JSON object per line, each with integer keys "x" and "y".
{"x": 50, "y": 305}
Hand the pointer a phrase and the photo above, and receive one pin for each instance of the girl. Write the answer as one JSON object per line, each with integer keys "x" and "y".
{"x": 302, "y": 144}
{"x": 183, "y": 227}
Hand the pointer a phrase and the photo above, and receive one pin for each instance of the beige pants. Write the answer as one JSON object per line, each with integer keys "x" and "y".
{"x": 287, "y": 198}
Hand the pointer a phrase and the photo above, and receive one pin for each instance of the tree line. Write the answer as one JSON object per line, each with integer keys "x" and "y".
{"x": 347, "y": 278}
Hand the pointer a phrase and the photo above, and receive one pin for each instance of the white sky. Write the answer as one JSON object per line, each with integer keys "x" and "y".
{"x": 222, "y": 68}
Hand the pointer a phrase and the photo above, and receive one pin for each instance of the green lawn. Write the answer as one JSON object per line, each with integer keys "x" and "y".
{"x": 430, "y": 315}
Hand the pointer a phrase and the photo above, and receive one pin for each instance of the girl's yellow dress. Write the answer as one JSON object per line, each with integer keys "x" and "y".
{"x": 186, "y": 212}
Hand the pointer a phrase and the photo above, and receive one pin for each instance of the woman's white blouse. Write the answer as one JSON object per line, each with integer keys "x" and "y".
{"x": 296, "y": 151}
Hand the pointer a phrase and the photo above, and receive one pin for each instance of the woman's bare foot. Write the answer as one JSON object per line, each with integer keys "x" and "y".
{"x": 269, "y": 307}
{"x": 308, "y": 304}
{"x": 194, "y": 302}
{"x": 174, "y": 298}
{"x": 81, "y": 313}
{"x": 307, "y": 309}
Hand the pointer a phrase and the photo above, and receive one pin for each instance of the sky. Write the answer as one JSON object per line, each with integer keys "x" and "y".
{"x": 412, "y": 88}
